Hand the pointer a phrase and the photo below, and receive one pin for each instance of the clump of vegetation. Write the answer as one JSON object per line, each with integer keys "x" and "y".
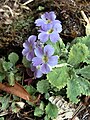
{"x": 53, "y": 66}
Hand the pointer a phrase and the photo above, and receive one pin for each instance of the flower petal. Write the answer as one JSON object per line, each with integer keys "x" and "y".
{"x": 54, "y": 37}
{"x": 56, "y": 21}
{"x": 53, "y": 60}
{"x": 32, "y": 39}
{"x": 48, "y": 50}
{"x": 51, "y": 16}
{"x": 47, "y": 27}
{"x": 58, "y": 27}
{"x": 38, "y": 73}
{"x": 43, "y": 36}
{"x": 26, "y": 44}
{"x": 25, "y": 51}
{"x": 36, "y": 61}
{"x": 39, "y": 22}
{"x": 45, "y": 68}
{"x": 43, "y": 17}
{"x": 39, "y": 52}
{"x": 29, "y": 56}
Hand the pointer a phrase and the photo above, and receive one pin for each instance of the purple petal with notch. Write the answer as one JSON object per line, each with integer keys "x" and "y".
{"x": 53, "y": 60}
{"x": 39, "y": 22}
{"x": 57, "y": 27}
{"x": 51, "y": 16}
{"x": 54, "y": 37}
{"x": 36, "y": 61}
{"x": 39, "y": 52}
{"x": 26, "y": 44}
{"x": 38, "y": 73}
{"x": 48, "y": 50}
{"x": 45, "y": 68}
{"x": 32, "y": 39}
{"x": 29, "y": 56}
{"x": 43, "y": 36}
{"x": 25, "y": 51}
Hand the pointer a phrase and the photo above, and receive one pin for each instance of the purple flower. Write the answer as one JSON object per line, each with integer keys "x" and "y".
{"x": 37, "y": 72}
{"x": 50, "y": 32}
{"x": 47, "y": 18}
{"x": 44, "y": 58}
{"x": 29, "y": 46}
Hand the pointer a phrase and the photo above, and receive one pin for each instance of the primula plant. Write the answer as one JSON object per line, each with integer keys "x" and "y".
{"x": 57, "y": 68}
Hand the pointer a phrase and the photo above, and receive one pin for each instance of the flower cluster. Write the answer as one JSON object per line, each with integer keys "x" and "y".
{"x": 38, "y": 52}
{"x": 49, "y": 27}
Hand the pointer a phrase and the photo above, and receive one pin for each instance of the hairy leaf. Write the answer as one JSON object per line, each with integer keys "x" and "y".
{"x": 5, "y": 102}
{"x": 7, "y": 65}
{"x": 85, "y": 72}
{"x": 76, "y": 87}
{"x": 42, "y": 105}
{"x": 73, "y": 90}
{"x": 51, "y": 110}
{"x": 85, "y": 40}
{"x": 2, "y": 76}
{"x": 1, "y": 118}
{"x": 78, "y": 53}
{"x": 31, "y": 90}
{"x": 43, "y": 86}
{"x": 87, "y": 60}
{"x": 47, "y": 117}
{"x": 1, "y": 66}
{"x": 25, "y": 62}
{"x": 14, "y": 107}
{"x": 38, "y": 112}
{"x": 58, "y": 77}
{"x": 84, "y": 86}
{"x": 11, "y": 78}
{"x": 13, "y": 57}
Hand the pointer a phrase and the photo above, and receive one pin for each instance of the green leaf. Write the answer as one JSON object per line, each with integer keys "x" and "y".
{"x": 76, "y": 87}
{"x": 47, "y": 96}
{"x": 11, "y": 78}
{"x": 85, "y": 72}
{"x": 7, "y": 65}
{"x": 31, "y": 90}
{"x": 47, "y": 117}
{"x": 1, "y": 118}
{"x": 84, "y": 86}
{"x": 5, "y": 102}
{"x": 38, "y": 112}
{"x": 2, "y": 76}
{"x": 78, "y": 53}
{"x": 13, "y": 57}
{"x": 42, "y": 105}
{"x": 57, "y": 46}
{"x": 51, "y": 110}
{"x": 15, "y": 108}
{"x": 25, "y": 62}
{"x": 85, "y": 40}
{"x": 58, "y": 77}
{"x": 43, "y": 86}
{"x": 1, "y": 66}
{"x": 73, "y": 90}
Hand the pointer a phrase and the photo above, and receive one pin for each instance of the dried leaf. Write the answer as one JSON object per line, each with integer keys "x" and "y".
{"x": 19, "y": 91}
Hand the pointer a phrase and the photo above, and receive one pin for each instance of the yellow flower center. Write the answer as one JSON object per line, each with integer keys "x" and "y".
{"x": 50, "y": 31}
{"x": 45, "y": 58}
{"x": 30, "y": 47}
{"x": 48, "y": 21}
